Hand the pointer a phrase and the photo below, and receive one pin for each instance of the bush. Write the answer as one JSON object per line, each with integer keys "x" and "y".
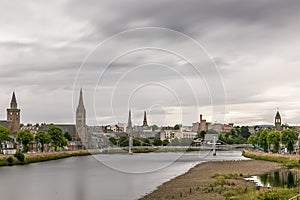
{"x": 271, "y": 195}
{"x": 20, "y": 156}
{"x": 10, "y": 160}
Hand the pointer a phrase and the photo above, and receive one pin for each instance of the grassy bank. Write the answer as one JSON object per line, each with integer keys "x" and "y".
{"x": 289, "y": 161}
{"x": 41, "y": 157}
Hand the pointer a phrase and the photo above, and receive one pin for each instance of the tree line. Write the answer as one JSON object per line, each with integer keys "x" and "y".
{"x": 270, "y": 140}
{"x": 53, "y": 136}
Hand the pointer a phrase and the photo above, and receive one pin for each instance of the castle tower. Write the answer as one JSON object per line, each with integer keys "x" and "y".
{"x": 145, "y": 124}
{"x": 81, "y": 127}
{"x": 13, "y": 115}
{"x": 278, "y": 121}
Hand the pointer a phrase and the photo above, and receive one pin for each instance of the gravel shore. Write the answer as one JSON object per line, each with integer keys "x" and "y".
{"x": 196, "y": 183}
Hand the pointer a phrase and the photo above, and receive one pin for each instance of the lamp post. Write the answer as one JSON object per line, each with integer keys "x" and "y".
{"x": 214, "y": 147}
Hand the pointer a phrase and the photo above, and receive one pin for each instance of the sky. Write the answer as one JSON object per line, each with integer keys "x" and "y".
{"x": 231, "y": 60}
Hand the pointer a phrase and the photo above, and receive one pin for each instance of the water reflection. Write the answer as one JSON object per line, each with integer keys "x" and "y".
{"x": 281, "y": 178}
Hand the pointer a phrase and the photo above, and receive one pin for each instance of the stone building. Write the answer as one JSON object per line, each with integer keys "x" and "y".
{"x": 278, "y": 121}
{"x": 81, "y": 127}
{"x": 13, "y": 116}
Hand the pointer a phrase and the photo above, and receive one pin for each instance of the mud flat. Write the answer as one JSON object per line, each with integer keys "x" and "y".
{"x": 215, "y": 180}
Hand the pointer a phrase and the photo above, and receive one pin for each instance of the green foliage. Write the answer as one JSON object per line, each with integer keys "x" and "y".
{"x": 24, "y": 137}
{"x": 177, "y": 127}
{"x": 270, "y": 195}
{"x": 136, "y": 142}
{"x": 253, "y": 140}
{"x": 165, "y": 142}
{"x": 57, "y": 138}
{"x": 262, "y": 139}
{"x": 4, "y": 134}
{"x": 201, "y": 134}
{"x": 123, "y": 141}
{"x": 274, "y": 138}
{"x": 181, "y": 142}
{"x": 287, "y": 161}
{"x": 289, "y": 137}
{"x": 20, "y": 156}
{"x": 157, "y": 142}
{"x": 146, "y": 142}
{"x": 42, "y": 138}
{"x": 10, "y": 160}
{"x": 68, "y": 136}
{"x": 233, "y": 137}
{"x": 113, "y": 140}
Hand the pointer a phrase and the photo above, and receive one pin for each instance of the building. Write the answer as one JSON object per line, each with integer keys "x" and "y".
{"x": 278, "y": 121}
{"x": 81, "y": 127}
{"x": 168, "y": 133}
{"x": 13, "y": 116}
{"x": 145, "y": 124}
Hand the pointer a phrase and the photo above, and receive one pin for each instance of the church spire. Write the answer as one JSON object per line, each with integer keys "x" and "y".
{"x": 80, "y": 102}
{"x": 13, "y": 102}
{"x": 129, "y": 124}
{"x": 145, "y": 124}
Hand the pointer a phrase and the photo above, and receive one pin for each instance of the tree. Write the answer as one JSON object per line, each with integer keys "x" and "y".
{"x": 42, "y": 138}
{"x": 289, "y": 137}
{"x": 57, "y": 138}
{"x": 123, "y": 141}
{"x": 245, "y": 132}
{"x": 24, "y": 137}
{"x": 136, "y": 142}
{"x": 113, "y": 140}
{"x": 68, "y": 136}
{"x": 165, "y": 142}
{"x": 201, "y": 134}
{"x": 177, "y": 127}
{"x": 146, "y": 142}
{"x": 253, "y": 140}
{"x": 262, "y": 139}
{"x": 157, "y": 142}
{"x": 154, "y": 127}
{"x": 274, "y": 138}
{"x": 4, "y": 135}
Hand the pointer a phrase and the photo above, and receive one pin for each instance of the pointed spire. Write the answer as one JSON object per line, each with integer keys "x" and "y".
{"x": 80, "y": 102}
{"x": 13, "y": 102}
{"x": 129, "y": 124}
{"x": 145, "y": 124}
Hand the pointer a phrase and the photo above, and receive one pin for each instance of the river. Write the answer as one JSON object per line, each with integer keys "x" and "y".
{"x": 100, "y": 177}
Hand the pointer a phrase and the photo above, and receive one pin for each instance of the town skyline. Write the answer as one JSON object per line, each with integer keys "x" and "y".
{"x": 142, "y": 117}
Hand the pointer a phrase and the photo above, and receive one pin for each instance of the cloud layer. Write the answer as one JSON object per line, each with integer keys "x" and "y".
{"x": 255, "y": 46}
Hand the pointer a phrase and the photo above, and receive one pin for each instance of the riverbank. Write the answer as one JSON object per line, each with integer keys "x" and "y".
{"x": 41, "y": 157}
{"x": 220, "y": 180}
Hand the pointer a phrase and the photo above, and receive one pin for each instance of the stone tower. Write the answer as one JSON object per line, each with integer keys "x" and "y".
{"x": 13, "y": 115}
{"x": 145, "y": 124}
{"x": 278, "y": 121}
{"x": 81, "y": 127}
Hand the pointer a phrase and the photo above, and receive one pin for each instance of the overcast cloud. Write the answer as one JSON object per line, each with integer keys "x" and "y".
{"x": 255, "y": 46}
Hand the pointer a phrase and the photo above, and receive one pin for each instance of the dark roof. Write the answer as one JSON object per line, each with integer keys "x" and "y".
{"x": 70, "y": 128}
{"x": 5, "y": 123}
{"x": 211, "y": 131}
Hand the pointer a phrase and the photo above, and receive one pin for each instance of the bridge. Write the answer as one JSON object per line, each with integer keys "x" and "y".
{"x": 225, "y": 147}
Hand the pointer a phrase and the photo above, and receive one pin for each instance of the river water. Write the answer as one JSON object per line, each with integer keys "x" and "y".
{"x": 99, "y": 177}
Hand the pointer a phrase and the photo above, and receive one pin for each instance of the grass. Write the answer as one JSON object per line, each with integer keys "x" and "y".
{"x": 288, "y": 161}
{"x": 41, "y": 157}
